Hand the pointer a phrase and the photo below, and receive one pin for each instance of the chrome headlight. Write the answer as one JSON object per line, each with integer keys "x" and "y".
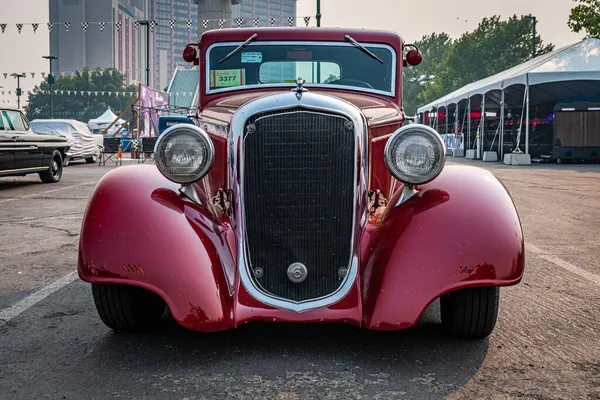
{"x": 184, "y": 153}
{"x": 415, "y": 154}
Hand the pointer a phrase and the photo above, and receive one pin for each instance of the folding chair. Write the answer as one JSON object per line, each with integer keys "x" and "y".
{"x": 147, "y": 149}
{"x": 112, "y": 147}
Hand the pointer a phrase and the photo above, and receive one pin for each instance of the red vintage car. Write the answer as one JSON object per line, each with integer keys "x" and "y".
{"x": 300, "y": 200}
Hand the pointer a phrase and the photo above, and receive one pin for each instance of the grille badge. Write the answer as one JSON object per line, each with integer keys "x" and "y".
{"x": 258, "y": 272}
{"x": 297, "y": 272}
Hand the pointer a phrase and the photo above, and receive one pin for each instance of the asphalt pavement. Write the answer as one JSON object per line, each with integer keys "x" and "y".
{"x": 546, "y": 344}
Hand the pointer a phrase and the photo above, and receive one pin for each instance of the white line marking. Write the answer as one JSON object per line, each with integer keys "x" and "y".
{"x": 45, "y": 192}
{"x": 9, "y": 313}
{"x": 563, "y": 264}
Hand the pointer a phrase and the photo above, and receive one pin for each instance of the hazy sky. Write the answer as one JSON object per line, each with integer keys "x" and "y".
{"x": 413, "y": 19}
{"x": 23, "y": 52}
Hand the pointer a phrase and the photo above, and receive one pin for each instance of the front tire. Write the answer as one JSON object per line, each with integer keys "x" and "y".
{"x": 54, "y": 172}
{"x": 470, "y": 313}
{"x": 127, "y": 308}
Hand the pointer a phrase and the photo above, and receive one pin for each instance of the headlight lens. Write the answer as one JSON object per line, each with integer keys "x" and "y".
{"x": 415, "y": 154}
{"x": 184, "y": 153}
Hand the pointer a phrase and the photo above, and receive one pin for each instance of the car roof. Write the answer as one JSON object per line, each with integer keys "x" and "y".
{"x": 10, "y": 109}
{"x": 300, "y": 34}
{"x": 55, "y": 120}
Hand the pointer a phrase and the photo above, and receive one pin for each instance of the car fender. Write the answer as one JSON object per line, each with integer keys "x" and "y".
{"x": 461, "y": 230}
{"x": 139, "y": 230}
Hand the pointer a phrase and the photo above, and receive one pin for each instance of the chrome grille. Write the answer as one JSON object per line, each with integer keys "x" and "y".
{"x": 298, "y": 185}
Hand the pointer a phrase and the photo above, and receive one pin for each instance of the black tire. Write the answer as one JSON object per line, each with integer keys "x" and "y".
{"x": 127, "y": 308}
{"x": 55, "y": 170}
{"x": 92, "y": 160}
{"x": 470, "y": 313}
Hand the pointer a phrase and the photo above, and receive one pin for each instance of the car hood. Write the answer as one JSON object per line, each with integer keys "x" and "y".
{"x": 376, "y": 110}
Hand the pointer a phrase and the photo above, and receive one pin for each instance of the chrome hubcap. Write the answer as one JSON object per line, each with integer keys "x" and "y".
{"x": 55, "y": 168}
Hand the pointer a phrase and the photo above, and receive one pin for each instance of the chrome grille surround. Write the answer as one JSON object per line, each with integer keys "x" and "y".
{"x": 309, "y": 102}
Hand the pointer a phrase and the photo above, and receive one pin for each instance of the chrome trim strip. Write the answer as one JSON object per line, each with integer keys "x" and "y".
{"x": 308, "y": 85}
{"x": 23, "y": 170}
{"x": 316, "y": 103}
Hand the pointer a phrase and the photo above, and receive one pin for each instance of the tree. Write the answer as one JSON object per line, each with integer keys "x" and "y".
{"x": 586, "y": 16}
{"x": 434, "y": 48}
{"x": 493, "y": 47}
{"x": 80, "y": 106}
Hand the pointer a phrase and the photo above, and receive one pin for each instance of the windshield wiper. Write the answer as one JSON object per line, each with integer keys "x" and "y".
{"x": 240, "y": 47}
{"x": 363, "y": 48}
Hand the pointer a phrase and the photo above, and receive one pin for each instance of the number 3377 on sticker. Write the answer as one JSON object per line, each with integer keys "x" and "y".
{"x": 227, "y": 77}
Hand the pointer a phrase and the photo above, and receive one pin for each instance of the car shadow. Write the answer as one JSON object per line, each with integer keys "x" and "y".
{"x": 420, "y": 361}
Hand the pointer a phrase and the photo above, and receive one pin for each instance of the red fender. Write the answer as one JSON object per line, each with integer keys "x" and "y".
{"x": 461, "y": 230}
{"x": 156, "y": 239}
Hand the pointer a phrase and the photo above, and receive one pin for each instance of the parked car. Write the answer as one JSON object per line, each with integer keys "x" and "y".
{"x": 300, "y": 200}
{"x": 22, "y": 151}
{"x": 84, "y": 144}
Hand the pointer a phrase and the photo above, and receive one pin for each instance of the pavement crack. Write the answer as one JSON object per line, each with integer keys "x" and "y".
{"x": 63, "y": 230}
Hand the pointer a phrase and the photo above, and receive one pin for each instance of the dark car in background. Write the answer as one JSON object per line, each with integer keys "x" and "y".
{"x": 22, "y": 151}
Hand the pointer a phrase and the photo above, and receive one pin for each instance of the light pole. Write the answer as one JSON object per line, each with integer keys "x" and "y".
{"x": 18, "y": 76}
{"x": 147, "y": 25}
{"x": 534, "y": 19}
{"x": 51, "y": 83}
{"x": 318, "y": 13}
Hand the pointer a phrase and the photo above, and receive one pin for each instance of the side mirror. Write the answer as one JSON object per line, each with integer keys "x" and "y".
{"x": 189, "y": 54}
{"x": 414, "y": 57}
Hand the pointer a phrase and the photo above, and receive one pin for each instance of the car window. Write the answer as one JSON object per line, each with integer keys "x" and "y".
{"x": 281, "y": 63}
{"x": 2, "y": 123}
{"x": 289, "y": 71}
{"x": 14, "y": 121}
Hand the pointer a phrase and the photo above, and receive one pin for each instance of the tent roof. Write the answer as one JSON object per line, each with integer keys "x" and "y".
{"x": 105, "y": 118}
{"x": 184, "y": 87}
{"x": 579, "y": 61}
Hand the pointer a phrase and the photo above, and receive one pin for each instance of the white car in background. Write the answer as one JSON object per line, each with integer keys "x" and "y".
{"x": 84, "y": 144}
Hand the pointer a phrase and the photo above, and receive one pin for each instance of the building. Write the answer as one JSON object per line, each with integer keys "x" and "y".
{"x": 264, "y": 10}
{"x": 168, "y": 43}
{"x": 110, "y": 39}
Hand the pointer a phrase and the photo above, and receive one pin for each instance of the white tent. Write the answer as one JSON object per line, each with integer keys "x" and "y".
{"x": 577, "y": 62}
{"x": 105, "y": 120}
{"x": 564, "y": 73}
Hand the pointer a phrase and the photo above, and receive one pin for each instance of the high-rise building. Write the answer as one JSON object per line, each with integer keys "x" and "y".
{"x": 116, "y": 44}
{"x": 168, "y": 43}
{"x": 264, "y": 10}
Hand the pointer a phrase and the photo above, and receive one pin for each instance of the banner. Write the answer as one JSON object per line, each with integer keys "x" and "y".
{"x": 151, "y": 103}
{"x": 101, "y": 26}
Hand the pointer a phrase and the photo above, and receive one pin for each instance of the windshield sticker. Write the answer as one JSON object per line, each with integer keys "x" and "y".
{"x": 227, "y": 77}
{"x": 252, "y": 57}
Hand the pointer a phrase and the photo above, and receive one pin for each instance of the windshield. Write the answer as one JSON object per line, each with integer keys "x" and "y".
{"x": 324, "y": 64}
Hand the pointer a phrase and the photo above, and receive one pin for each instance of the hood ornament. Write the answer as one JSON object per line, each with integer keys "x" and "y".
{"x": 299, "y": 89}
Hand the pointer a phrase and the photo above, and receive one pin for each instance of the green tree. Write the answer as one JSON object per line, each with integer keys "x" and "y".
{"x": 434, "y": 48}
{"x": 586, "y": 17}
{"x": 76, "y": 105}
{"x": 493, "y": 47}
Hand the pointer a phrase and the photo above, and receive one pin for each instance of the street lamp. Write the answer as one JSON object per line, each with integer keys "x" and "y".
{"x": 147, "y": 25}
{"x": 51, "y": 83}
{"x": 18, "y": 76}
{"x": 534, "y": 19}
{"x": 318, "y": 13}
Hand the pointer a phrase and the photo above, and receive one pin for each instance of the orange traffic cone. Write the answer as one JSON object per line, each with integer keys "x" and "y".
{"x": 120, "y": 155}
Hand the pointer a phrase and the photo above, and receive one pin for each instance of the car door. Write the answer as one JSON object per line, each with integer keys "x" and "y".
{"x": 28, "y": 149}
{"x": 7, "y": 151}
